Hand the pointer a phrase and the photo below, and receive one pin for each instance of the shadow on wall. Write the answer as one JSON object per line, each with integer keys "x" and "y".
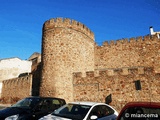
{"x": 36, "y": 80}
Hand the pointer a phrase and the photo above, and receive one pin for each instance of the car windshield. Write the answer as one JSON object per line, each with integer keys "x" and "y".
{"x": 26, "y": 103}
{"x": 72, "y": 111}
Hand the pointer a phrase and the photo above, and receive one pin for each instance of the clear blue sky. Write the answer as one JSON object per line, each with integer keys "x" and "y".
{"x": 21, "y": 21}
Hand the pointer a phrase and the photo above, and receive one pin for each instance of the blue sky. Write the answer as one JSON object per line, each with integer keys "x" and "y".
{"x": 21, "y": 21}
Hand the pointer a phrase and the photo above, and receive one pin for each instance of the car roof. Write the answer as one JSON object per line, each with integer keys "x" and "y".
{"x": 142, "y": 104}
{"x": 44, "y": 97}
{"x": 86, "y": 103}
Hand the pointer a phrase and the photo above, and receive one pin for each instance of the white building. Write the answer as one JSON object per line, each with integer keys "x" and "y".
{"x": 154, "y": 33}
{"x": 12, "y": 68}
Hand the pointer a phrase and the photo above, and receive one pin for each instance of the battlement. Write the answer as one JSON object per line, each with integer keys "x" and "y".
{"x": 17, "y": 81}
{"x": 113, "y": 72}
{"x": 67, "y": 23}
{"x": 133, "y": 40}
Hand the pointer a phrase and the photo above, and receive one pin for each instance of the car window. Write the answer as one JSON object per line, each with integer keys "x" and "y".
{"x": 101, "y": 111}
{"x": 27, "y": 103}
{"x": 49, "y": 104}
{"x": 72, "y": 111}
{"x": 44, "y": 105}
{"x": 55, "y": 104}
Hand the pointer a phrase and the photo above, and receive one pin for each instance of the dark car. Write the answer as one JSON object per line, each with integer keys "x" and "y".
{"x": 31, "y": 108}
{"x": 140, "y": 111}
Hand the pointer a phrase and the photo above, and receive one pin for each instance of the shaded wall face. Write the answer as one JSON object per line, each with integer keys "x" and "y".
{"x": 136, "y": 52}
{"x": 119, "y": 83}
{"x": 64, "y": 51}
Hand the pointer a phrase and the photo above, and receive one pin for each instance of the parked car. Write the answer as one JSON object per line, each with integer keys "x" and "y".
{"x": 83, "y": 111}
{"x": 31, "y": 108}
{"x": 140, "y": 111}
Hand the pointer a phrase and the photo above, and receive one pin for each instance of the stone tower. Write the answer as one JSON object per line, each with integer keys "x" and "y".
{"x": 67, "y": 47}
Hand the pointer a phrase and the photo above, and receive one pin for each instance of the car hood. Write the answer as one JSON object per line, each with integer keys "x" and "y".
{"x": 6, "y": 112}
{"x": 52, "y": 117}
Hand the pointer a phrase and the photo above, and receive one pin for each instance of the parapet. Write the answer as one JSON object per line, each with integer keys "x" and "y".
{"x": 133, "y": 40}
{"x": 19, "y": 80}
{"x": 67, "y": 23}
{"x": 113, "y": 72}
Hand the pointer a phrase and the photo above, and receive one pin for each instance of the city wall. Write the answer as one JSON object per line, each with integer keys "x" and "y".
{"x": 16, "y": 89}
{"x": 140, "y": 51}
{"x": 73, "y": 67}
{"x": 68, "y": 47}
{"x": 120, "y": 83}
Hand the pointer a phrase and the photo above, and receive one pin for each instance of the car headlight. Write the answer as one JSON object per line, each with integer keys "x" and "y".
{"x": 13, "y": 117}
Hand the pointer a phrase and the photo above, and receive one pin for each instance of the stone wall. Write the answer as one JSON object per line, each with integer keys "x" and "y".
{"x": 67, "y": 47}
{"x": 140, "y": 51}
{"x": 16, "y": 88}
{"x": 120, "y": 83}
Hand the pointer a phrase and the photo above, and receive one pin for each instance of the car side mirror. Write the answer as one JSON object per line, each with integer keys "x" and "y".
{"x": 93, "y": 117}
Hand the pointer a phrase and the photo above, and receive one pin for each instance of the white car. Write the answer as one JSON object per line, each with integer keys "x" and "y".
{"x": 83, "y": 111}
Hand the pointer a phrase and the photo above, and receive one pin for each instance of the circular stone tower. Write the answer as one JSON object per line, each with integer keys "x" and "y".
{"x": 67, "y": 47}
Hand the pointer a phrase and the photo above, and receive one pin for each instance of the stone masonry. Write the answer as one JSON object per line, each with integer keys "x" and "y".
{"x": 120, "y": 83}
{"x": 67, "y": 47}
{"x": 75, "y": 68}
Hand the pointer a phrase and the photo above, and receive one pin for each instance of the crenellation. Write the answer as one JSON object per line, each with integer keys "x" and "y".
{"x": 125, "y": 40}
{"x": 77, "y": 74}
{"x": 74, "y": 23}
{"x": 105, "y": 44}
{"x": 114, "y": 72}
{"x": 140, "y": 70}
{"x": 110, "y": 72}
{"x": 90, "y": 74}
{"x": 112, "y": 43}
{"x": 154, "y": 37}
{"x": 81, "y": 26}
{"x": 68, "y": 23}
{"x": 148, "y": 69}
{"x": 139, "y": 39}
{"x": 96, "y": 73}
{"x": 102, "y": 72}
{"x": 117, "y": 71}
{"x": 133, "y": 70}
{"x": 52, "y": 22}
{"x": 58, "y": 20}
{"x": 147, "y": 38}
{"x": 132, "y": 40}
{"x": 119, "y": 42}
{"x": 125, "y": 71}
